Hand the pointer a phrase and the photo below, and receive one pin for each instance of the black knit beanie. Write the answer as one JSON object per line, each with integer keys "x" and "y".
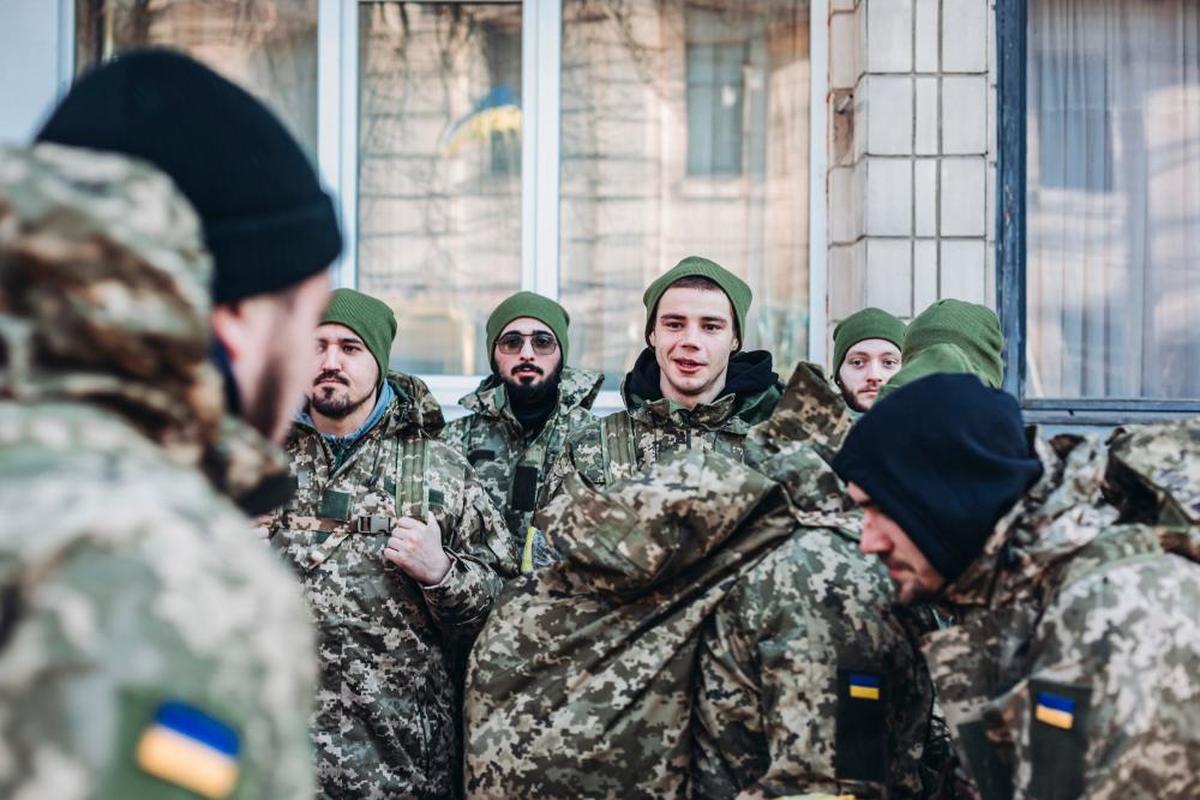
{"x": 266, "y": 220}
{"x": 945, "y": 457}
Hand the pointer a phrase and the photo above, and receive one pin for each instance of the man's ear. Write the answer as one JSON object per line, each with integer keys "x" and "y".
{"x": 653, "y": 340}
{"x": 229, "y": 327}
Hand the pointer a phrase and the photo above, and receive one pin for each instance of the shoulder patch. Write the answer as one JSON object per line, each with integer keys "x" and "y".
{"x": 186, "y": 747}
{"x": 861, "y": 736}
{"x": 1057, "y": 739}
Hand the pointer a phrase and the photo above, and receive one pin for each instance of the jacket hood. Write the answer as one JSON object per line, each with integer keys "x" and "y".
{"x": 640, "y": 533}
{"x": 751, "y": 387}
{"x": 810, "y": 411}
{"x": 105, "y": 300}
{"x": 1064, "y": 511}
{"x": 415, "y": 409}
{"x": 577, "y": 388}
{"x": 1153, "y": 474}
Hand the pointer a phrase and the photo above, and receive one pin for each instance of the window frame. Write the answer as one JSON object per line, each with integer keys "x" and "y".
{"x": 1012, "y": 36}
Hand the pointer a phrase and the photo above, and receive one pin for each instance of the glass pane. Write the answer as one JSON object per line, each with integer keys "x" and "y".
{"x": 1113, "y": 199}
{"x": 685, "y": 131}
{"x": 269, "y": 47}
{"x": 439, "y": 173}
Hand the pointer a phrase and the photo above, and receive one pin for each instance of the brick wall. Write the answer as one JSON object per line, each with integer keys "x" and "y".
{"x": 912, "y": 153}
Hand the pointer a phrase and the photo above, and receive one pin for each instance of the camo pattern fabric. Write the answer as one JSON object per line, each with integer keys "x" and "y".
{"x": 492, "y": 440}
{"x": 386, "y": 717}
{"x": 778, "y": 711}
{"x": 658, "y": 428}
{"x": 581, "y": 683}
{"x": 1073, "y": 670}
{"x": 128, "y": 579}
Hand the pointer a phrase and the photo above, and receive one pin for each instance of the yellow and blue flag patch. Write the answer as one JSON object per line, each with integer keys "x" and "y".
{"x": 186, "y": 747}
{"x": 1055, "y": 710}
{"x": 863, "y": 686}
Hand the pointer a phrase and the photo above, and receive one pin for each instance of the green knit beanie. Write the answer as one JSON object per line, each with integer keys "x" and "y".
{"x": 973, "y": 328}
{"x": 936, "y": 358}
{"x": 528, "y": 304}
{"x": 735, "y": 289}
{"x": 870, "y": 323}
{"x": 371, "y": 319}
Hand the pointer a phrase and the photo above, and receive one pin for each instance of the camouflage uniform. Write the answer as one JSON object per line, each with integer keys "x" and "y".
{"x": 783, "y": 651}
{"x": 129, "y": 581}
{"x": 385, "y": 724}
{"x": 492, "y": 440}
{"x": 625, "y": 442}
{"x": 581, "y": 683}
{"x": 1073, "y": 669}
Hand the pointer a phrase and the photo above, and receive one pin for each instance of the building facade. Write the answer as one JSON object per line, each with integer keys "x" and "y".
{"x": 1039, "y": 156}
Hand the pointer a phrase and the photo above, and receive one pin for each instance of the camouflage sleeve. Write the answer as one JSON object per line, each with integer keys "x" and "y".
{"x": 454, "y": 435}
{"x": 105, "y": 639}
{"x": 481, "y": 555}
{"x": 1111, "y": 708}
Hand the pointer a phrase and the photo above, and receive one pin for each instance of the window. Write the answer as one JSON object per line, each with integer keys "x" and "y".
{"x": 269, "y": 47}
{"x": 577, "y": 148}
{"x": 685, "y": 130}
{"x": 1109, "y": 193}
{"x": 439, "y": 183}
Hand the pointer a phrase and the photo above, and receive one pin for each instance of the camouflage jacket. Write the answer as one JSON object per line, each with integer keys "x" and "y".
{"x": 1071, "y": 672}
{"x": 385, "y": 723}
{"x": 810, "y": 682}
{"x": 133, "y": 598}
{"x": 492, "y": 440}
{"x": 623, "y": 443}
{"x": 581, "y": 683}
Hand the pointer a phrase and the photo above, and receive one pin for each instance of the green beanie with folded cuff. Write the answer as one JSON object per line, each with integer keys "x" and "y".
{"x": 870, "y": 323}
{"x": 529, "y": 304}
{"x": 370, "y": 318}
{"x": 973, "y": 328}
{"x": 736, "y": 289}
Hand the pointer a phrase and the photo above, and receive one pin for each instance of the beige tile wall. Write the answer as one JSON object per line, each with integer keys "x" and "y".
{"x": 912, "y": 154}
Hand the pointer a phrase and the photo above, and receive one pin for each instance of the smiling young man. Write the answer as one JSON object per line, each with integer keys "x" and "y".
{"x": 691, "y": 388}
{"x": 866, "y": 354}
{"x": 1069, "y": 670}
{"x": 398, "y": 549}
{"x": 524, "y": 412}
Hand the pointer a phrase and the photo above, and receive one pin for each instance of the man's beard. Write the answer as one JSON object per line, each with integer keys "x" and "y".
{"x": 334, "y": 405}
{"x": 266, "y": 410}
{"x": 853, "y": 401}
{"x": 532, "y": 395}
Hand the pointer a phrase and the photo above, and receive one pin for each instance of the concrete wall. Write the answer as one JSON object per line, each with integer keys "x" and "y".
{"x": 912, "y": 154}
{"x": 30, "y": 66}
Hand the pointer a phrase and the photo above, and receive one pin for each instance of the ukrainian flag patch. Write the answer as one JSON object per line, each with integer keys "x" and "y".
{"x": 186, "y": 747}
{"x": 1055, "y": 710}
{"x": 863, "y": 686}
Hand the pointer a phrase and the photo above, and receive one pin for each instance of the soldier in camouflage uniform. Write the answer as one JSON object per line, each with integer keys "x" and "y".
{"x": 691, "y": 389}
{"x": 523, "y": 413}
{"x": 400, "y": 552}
{"x": 702, "y": 637}
{"x": 810, "y": 681}
{"x": 148, "y": 646}
{"x": 1072, "y": 570}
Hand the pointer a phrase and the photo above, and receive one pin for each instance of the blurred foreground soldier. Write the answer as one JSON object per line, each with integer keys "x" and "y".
{"x": 951, "y": 336}
{"x": 398, "y": 548}
{"x": 1073, "y": 669}
{"x": 149, "y": 648}
{"x": 524, "y": 412}
{"x": 702, "y": 636}
{"x": 271, "y": 230}
{"x": 691, "y": 389}
{"x": 866, "y": 354}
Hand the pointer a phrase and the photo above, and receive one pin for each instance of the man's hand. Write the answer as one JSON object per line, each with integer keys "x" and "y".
{"x": 416, "y": 548}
